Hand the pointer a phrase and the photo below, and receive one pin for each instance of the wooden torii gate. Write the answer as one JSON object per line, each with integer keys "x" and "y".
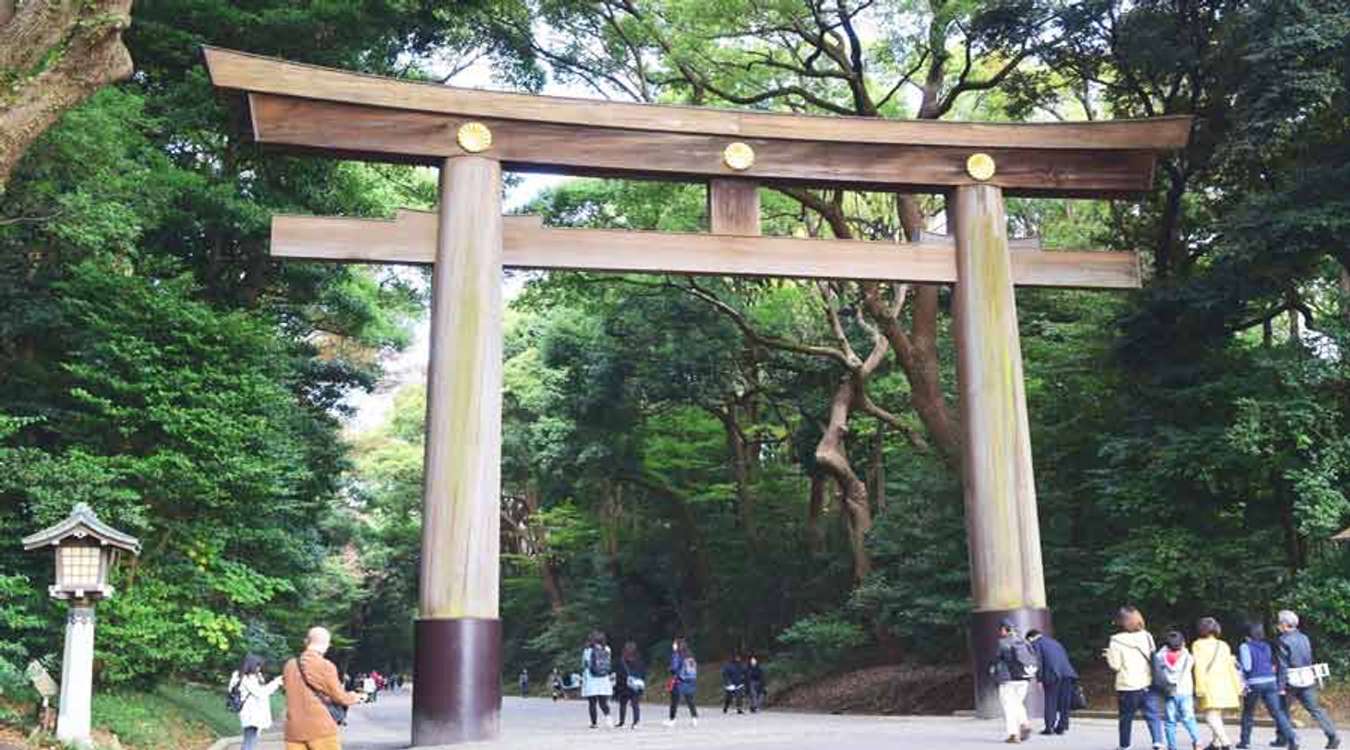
{"x": 473, "y": 135}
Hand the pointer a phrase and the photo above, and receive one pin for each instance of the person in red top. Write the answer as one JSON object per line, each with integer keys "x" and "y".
{"x": 311, "y": 682}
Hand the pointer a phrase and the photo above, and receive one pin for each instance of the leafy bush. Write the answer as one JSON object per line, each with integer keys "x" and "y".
{"x": 818, "y": 641}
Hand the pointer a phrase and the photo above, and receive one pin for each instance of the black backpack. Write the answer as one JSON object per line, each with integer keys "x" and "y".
{"x": 599, "y": 666}
{"x": 234, "y": 700}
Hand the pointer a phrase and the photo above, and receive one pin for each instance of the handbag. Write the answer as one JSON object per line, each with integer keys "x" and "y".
{"x": 337, "y": 711}
{"x": 636, "y": 684}
{"x": 1079, "y": 700}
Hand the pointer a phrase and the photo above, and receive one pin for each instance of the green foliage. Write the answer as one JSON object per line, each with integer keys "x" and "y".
{"x": 823, "y": 641}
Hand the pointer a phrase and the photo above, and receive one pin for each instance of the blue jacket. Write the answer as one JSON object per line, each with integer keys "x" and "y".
{"x": 733, "y": 673}
{"x": 1055, "y": 664}
{"x": 1295, "y": 650}
{"x": 683, "y": 686}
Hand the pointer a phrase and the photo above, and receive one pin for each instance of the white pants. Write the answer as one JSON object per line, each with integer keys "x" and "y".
{"x": 1012, "y": 696}
{"x": 1214, "y": 718}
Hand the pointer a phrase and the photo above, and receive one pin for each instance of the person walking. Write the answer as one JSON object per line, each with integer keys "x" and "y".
{"x": 524, "y": 680}
{"x": 555, "y": 682}
{"x": 630, "y": 682}
{"x": 255, "y": 699}
{"x": 1295, "y": 654}
{"x": 370, "y": 687}
{"x": 1218, "y": 687}
{"x": 683, "y": 680}
{"x": 1130, "y": 655}
{"x": 733, "y": 684}
{"x": 1058, "y": 679}
{"x": 596, "y": 678}
{"x": 754, "y": 677}
{"x": 1174, "y": 674}
{"x": 1262, "y": 677}
{"x": 1013, "y": 669}
{"x": 313, "y": 696}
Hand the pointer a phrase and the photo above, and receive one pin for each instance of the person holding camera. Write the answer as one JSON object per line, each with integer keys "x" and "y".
{"x": 315, "y": 700}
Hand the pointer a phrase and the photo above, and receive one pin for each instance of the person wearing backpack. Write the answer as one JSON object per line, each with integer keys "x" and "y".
{"x": 596, "y": 677}
{"x": 1058, "y": 679}
{"x": 1262, "y": 677}
{"x": 1173, "y": 673}
{"x": 1296, "y": 660}
{"x": 315, "y": 700}
{"x": 630, "y": 682}
{"x": 251, "y": 698}
{"x": 1130, "y": 655}
{"x": 1013, "y": 669}
{"x": 683, "y": 680}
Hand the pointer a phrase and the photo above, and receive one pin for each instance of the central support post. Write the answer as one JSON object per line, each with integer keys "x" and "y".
{"x": 457, "y": 637}
{"x": 1006, "y": 575}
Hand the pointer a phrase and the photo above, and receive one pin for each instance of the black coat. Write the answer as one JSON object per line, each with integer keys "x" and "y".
{"x": 1055, "y": 664}
{"x": 622, "y": 670}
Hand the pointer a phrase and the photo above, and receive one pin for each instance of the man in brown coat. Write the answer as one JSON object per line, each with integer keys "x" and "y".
{"x": 309, "y": 726}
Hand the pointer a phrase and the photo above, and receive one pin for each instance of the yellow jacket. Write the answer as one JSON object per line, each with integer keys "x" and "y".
{"x": 1217, "y": 685}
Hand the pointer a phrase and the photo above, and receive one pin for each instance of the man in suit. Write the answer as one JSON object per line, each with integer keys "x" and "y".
{"x": 1058, "y": 679}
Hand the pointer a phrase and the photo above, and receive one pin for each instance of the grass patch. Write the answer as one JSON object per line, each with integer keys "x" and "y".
{"x": 171, "y": 717}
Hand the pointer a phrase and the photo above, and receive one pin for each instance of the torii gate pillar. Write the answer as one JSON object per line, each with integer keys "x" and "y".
{"x": 457, "y": 671}
{"x": 1006, "y": 575}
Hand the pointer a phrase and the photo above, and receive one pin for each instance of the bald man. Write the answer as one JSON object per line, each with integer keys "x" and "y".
{"x": 312, "y": 685}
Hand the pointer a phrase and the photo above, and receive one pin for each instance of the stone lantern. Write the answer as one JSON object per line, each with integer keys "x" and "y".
{"x": 85, "y": 552}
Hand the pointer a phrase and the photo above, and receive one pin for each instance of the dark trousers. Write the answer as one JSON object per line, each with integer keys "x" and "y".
{"x": 675, "y": 702}
{"x": 600, "y": 700}
{"x": 738, "y": 696}
{"x": 1133, "y": 702}
{"x": 625, "y": 698}
{"x": 1269, "y": 694}
{"x": 1308, "y": 696}
{"x": 1058, "y": 703}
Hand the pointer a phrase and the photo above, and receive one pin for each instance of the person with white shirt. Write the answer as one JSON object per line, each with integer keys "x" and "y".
{"x": 255, "y": 715}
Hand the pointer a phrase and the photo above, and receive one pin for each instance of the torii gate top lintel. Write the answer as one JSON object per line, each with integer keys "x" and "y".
{"x": 306, "y": 107}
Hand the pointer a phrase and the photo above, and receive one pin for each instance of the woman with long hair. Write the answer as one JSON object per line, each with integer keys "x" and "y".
{"x": 683, "y": 679}
{"x": 596, "y": 672}
{"x": 255, "y": 699}
{"x": 630, "y": 682}
{"x": 1218, "y": 687}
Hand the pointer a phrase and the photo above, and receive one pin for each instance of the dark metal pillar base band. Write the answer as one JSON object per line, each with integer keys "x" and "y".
{"x": 984, "y": 649}
{"x": 457, "y": 684}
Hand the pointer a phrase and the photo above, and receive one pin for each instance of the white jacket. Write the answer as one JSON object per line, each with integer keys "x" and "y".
{"x": 257, "y": 711}
{"x": 1130, "y": 656}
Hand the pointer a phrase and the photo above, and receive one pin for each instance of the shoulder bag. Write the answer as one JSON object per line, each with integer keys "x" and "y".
{"x": 335, "y": 710}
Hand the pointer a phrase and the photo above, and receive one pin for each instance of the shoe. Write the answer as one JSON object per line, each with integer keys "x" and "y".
{"x": 739, "y": 712}
{"x": 634, "y": 725}
{"x": 1013, "y": 740}
{"x": 594, "y": 727}
{"x": 1047, "y": 732}
{"x": 668, "y": 723}
{"x": 1061, "y": 730}
{"x": 620, "y": 724}
{"x": 695, "y": 722}
{"x": 1242, "y": 746}
{"x": 1025, "y": 733}
{"x": 1277, "y": 742}
{"x": 1333, "y": 743}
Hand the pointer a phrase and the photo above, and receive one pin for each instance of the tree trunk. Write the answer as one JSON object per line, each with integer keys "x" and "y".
{"x": 1345, "y": 293}
{"x": 832, "y": 455}
{"x": 815, "y": 538}
{"x": 878, "y": 478}
{"x": 739, "y": 450}
{"x": 60, "y": 52}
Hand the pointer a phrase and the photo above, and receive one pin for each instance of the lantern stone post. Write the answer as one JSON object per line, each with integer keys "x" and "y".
{"x": 86, "y": 550}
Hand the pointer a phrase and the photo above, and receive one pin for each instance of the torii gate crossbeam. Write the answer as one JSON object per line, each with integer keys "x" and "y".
{"x": 473, "y": 135}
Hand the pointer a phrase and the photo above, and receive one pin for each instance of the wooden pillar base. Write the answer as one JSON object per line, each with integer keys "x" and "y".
{"x": 984, "y": 649}
{"x": 457, "y": 683}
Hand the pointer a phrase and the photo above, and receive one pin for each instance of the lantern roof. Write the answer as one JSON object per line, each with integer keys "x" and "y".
{"x": 1344, "y": 536}
{"x": 83, "y": 523}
